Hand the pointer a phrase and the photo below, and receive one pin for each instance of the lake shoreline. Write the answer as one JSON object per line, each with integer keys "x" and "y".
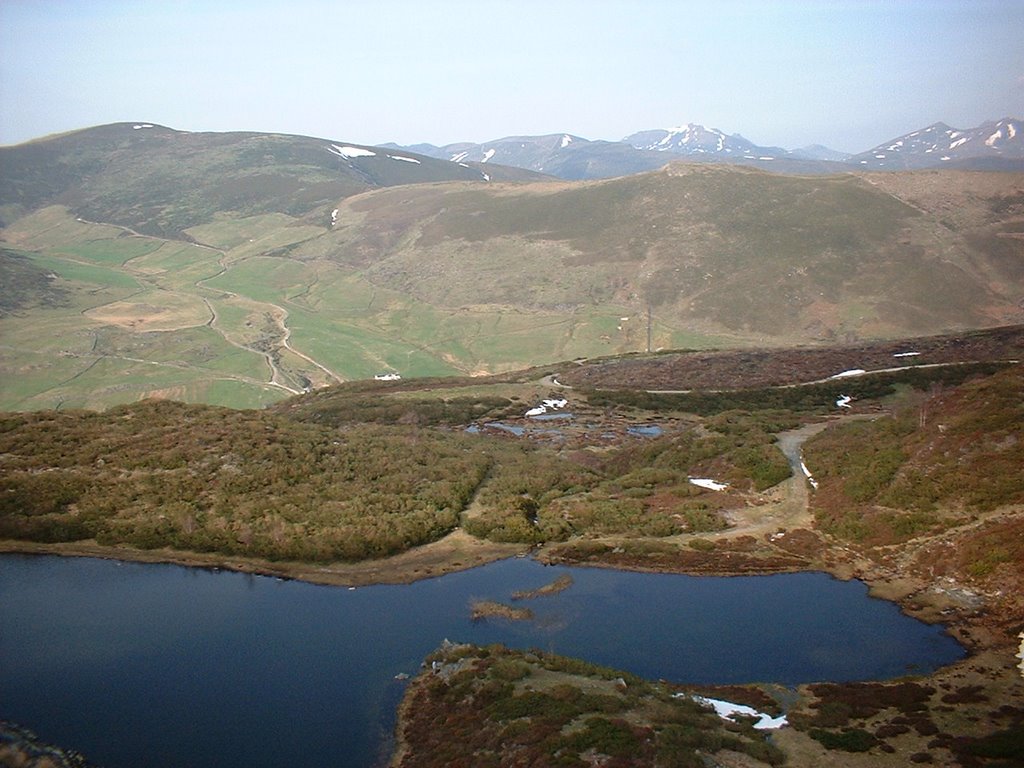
{"x": 456, "y": 552}
{"x": 988, "y": 661}
{"x": 459, "y": 551}
{"x": 920, "y": 599}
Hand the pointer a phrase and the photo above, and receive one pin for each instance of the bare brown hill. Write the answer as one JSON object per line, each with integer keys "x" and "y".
{"x": 708, "y": 250}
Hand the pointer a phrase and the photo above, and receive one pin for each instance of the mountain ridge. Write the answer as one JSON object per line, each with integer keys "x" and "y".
{"x": 161, "y": 181}
{"x": 239, "y": 267}
{"x": 572, "y": 157}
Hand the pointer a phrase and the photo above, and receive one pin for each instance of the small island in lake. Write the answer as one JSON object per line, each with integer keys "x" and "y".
{"x": 560, "y": 584}
{"x": 486, "y": 609}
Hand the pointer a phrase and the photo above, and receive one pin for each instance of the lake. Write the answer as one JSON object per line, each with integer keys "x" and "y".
{"x": 160, "y": 665}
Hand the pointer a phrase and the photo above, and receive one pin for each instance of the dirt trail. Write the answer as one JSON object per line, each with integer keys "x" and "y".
{"x": 279, "y": 316}
{"x": 278, "y": 313}
{"x": 789, "y": 507}
{"x": 283, "y": 320}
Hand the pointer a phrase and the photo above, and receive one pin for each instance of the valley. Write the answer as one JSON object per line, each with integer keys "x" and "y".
{"x": 473, "y": 278}
{"x": 701, "y": 369}
{"x": 610, "y": 484}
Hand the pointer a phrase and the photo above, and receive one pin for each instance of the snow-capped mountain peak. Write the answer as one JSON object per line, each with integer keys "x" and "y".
{"x": 940, "y": 144}
{"x": 697, "y": 140}
{"x": 690, "y": 138}
{"x": 995, "y": 145}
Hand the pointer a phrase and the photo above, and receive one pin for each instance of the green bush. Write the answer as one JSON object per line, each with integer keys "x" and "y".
{"x": 1001, "y": 745}
{"x": 852, "y": 740}
{"x": 701, "y": 545}
{"x": 509, "y": 670}
{"x": 614, "y": 738}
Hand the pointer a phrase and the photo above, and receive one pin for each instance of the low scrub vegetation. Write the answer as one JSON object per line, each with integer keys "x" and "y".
{"x": 370, "y": 475}
{"x": 639, "y": 489}
{"x": 810, "y": 398}
{"x": 495, "y": 707}
{"x": 956, "y": 453}
{"x": 26, "y": 285}
{"x": 162, "y": 474}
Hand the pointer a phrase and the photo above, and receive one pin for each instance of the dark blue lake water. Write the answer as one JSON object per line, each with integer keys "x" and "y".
{"x": 158, "y": 665}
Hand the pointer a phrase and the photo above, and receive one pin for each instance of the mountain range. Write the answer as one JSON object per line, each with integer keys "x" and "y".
{"x": 236, "y": 268}
{"x": 994, "y": 145}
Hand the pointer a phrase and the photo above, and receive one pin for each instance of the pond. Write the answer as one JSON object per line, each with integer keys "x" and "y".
{"x": 160, "y": 665}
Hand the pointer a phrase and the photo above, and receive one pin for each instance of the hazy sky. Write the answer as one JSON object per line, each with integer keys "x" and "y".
{"x": 848, "y": 74}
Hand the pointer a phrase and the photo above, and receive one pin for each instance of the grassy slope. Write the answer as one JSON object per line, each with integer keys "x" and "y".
{"x": 942, "y": 460}
{"x": 136, "y": 314}
{"x": 743, "y": 252}
{"x": 103, "y": 342}
{"x": 459, "y": 277}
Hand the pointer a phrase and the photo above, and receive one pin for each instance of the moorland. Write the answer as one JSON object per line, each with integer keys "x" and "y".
{"x": 915, "y": 490}
{"x": 744, "y": 373}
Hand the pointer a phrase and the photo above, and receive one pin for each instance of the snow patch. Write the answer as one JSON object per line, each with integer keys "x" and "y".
{"x": 459, "y": 157}
{"x": 844, "y": 401}
{"x": 566, "y": 141}
{"x": 707, "y": 482}
{"x": 808, "y": 475}
{"x": 849, "y": 373}
{"x": 727, "y": 711}
{"x": 350, "y": 152}
{"x": 964, "y": 140}
{"x": 141, "y": 125}
{"x": 556, "y": 404}
{"x": 991, "y": 140}
{"x": 1010, "y": 129}
{"x": 405, "y": 159}
{"x": 486, "y": 177}
{"x": 488, "y": 155}
{"x": 906, "y": 354}
{"x": 334, "y": 216}
{"x": 387, "y": 377}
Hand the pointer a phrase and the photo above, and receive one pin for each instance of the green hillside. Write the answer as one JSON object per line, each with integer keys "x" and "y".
{"x": 160, "y": 181}
{"x": 710, "y": 249}
{"x": 939, "y": 463}
{"x": 240, "y": 268}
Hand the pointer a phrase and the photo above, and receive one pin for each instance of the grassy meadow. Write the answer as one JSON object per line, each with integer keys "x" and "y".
{"x": 232, "y": 319}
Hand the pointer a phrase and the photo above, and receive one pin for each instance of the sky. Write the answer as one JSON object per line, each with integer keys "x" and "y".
{"x": 849, "y": 74}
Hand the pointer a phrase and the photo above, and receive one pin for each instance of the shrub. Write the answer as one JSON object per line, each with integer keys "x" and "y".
{"x": 509, "y": 670}
{"x": 614, "y": 738}
{"x": 701, "y": 545}
{"x": 852, "y": 740}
